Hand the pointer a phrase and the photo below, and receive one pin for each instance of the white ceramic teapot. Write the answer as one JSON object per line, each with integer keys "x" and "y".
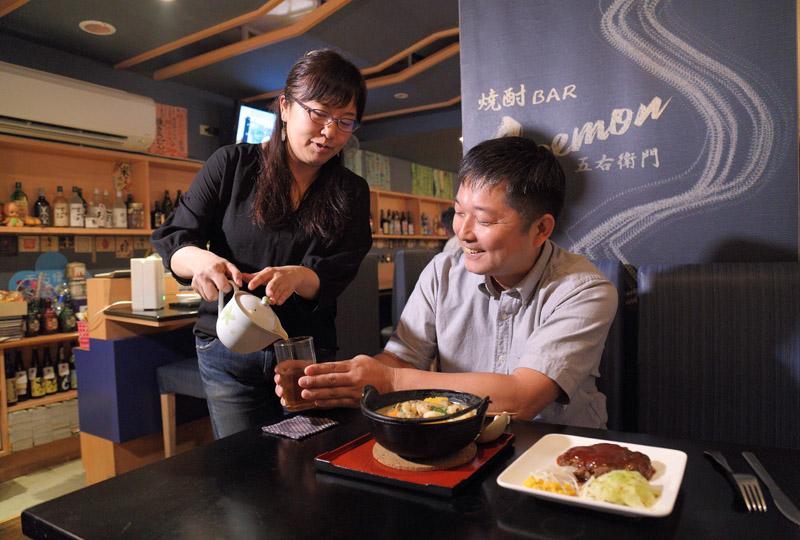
{"x": 246, "y": 324}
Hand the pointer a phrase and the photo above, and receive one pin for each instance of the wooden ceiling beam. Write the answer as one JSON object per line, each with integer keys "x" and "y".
{"x": 7, "y": 6}
{"x": 223, "y": 53}
{"x": 415, "y": 69}
{"x": 198, "y": 36}
{"x": 410, "y": 110}
{"x": 410, "y": 50}
{"x": 394, "y": 78}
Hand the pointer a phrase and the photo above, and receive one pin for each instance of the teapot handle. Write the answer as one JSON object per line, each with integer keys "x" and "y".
{"x": 221, "y": 297}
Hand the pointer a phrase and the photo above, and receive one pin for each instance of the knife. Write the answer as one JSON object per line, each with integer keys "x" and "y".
{"x": 783, "y": 503}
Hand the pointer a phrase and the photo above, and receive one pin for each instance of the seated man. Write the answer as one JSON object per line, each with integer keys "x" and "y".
{"x": 511, "y": 316}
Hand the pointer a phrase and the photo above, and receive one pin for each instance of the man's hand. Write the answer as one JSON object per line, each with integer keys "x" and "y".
{"x": 340, "y": 384}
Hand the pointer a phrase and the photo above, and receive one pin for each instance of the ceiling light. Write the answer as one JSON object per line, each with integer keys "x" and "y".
{"x": 97, "y": 28}
{"x": 461, "y": 140}
{"x": 401, "y": 95}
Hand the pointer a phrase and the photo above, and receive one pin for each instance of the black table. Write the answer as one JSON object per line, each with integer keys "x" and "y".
{"x": 252, "y": 485}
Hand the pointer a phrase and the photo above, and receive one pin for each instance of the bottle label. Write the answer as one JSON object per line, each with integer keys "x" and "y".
{"x": 63, "y": 369}
{"x": 120, "y": 218}
{"x": 44, "y": 216}
{"x": 76, "y": 218}
{"x": 22, "y": 383}
{"x": 11, "y": 391}
{"x": 37, "y": 387}
{"x": 61, "y": 215}
{"x": 63, "y": 383}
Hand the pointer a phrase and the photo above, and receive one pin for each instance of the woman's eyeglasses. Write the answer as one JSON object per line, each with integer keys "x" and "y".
{"x": 323, "y": 118}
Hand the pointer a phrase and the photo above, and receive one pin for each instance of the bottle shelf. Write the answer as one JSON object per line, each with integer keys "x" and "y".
{"x": 46, "y": 400}
{"x": 38, "y": 340}
{"x": 73, "y": 231}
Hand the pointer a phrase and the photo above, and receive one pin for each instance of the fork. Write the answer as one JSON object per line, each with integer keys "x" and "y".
{"x": 747, "y": 483}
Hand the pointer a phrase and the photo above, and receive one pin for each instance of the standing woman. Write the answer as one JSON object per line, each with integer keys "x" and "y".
{"x": 283, "y": 217}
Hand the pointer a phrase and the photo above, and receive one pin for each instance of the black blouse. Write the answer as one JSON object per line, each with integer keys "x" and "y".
{"x": 216, "y": 212}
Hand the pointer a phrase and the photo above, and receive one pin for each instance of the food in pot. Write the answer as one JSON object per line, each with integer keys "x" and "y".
{"x": 601, "y": 458}
{"x": 430, "y": 407}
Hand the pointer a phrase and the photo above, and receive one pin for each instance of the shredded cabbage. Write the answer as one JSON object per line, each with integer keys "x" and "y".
{"x": 629, "y": 488}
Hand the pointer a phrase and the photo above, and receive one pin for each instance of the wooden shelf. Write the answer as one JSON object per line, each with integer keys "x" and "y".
{"x": 73, "y": 231}
{"x": 38, "y": 340}
{"x": 46, "y": 400}
{"x": 400, "y": 195}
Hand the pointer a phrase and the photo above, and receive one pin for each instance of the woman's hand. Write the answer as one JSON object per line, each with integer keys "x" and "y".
{"x": 283, "y": 281}
{"x": 209, "y": 272}
{"x": 340, "y": 384}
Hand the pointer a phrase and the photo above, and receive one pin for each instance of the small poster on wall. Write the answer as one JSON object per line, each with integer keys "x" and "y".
{"x": 49, "y": 243}
{"x": 171, "y": 132}
{"x": 124, "y": 247}
{"x": 28, "y": 244}
{"x": 83, "y": 244}
{"x": 104, "y": 244}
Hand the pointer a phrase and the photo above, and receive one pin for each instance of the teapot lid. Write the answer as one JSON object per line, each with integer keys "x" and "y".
{"x": 260, "y": 313}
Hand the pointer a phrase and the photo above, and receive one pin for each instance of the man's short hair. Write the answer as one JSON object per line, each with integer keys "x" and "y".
{"x": 534, "y": 180}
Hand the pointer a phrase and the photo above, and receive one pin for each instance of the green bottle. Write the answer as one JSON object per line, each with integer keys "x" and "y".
{"x": 50, "y": 381}
{"x": 63, "y": 370}
{"x": 19, "y": 197}
{"x": 73, "y": 373}
{"x": 36, "y": 376}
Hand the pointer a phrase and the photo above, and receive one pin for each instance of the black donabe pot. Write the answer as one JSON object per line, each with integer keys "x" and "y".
{"x": 418, "y": 438}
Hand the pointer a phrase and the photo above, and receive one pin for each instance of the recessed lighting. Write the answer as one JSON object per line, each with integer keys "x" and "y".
{"x": 401, "y": 95}
{"x": 97, "y": 28}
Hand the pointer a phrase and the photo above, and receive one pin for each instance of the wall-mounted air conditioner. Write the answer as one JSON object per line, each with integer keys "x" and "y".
{"x": 38, "y": 104}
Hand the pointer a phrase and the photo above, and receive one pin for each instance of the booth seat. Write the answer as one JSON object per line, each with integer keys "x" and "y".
{"x": 719, "y": 352}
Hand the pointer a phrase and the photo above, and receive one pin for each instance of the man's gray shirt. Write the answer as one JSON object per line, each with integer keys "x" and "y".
{"x": 554, "y": 321}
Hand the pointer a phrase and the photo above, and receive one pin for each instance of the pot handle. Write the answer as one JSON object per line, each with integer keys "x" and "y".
{"x": 221, "y": 296}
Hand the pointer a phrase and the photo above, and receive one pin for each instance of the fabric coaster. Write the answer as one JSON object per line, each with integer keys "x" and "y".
{"x": 299, "y": 427}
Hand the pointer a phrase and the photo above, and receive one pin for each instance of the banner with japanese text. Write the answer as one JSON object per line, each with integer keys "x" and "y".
{"x": 675, "y": 120}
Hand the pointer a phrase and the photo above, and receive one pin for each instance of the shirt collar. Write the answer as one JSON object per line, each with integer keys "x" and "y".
{"x": 525, "y": 288}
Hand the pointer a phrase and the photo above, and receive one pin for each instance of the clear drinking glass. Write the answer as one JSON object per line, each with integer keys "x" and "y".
{"x": 292, "y": 356}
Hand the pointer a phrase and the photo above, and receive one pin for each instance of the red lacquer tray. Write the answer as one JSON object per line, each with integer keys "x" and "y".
{"x": 354, "y": 459}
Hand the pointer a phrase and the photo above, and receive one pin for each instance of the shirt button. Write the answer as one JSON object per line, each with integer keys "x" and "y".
{"x": 501, "y": 358}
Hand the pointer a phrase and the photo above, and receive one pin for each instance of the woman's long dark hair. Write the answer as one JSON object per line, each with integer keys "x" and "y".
{"x": 322, "y": 76}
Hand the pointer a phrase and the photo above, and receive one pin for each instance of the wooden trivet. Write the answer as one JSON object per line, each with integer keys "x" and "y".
{"x": 390, "y": 459}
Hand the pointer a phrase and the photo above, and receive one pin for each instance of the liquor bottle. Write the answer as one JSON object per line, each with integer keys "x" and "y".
{"x": 108, "y": 218}
{"x": 410, "y": 223}
{"x": 96, "y": 213}
{"x": 403, "y": 223}
{"x": 50, "y": 381}
{"x": 119, "y": 212}
{"x": 73, "y": 373}
{"x": 156, "y": 217}
{"x": 384, "y": 223}
{"x": 166, "y": 205}
{"x": 41, "y": 209}
{"x": 63, "y": 369}
{"x": 76, "y": 210}
{"x": 11, "y": 384}
{"x": 21, "y": 378}
{"x": 178, "y": 197}
{"x": 18, "y": 196}
{"x": 49, "y": 318}
{"x": 33, "y": 321}
{"x": 36, "y": 387}
{"x": 60, "y": 209}
{"x": 66, "y": 318}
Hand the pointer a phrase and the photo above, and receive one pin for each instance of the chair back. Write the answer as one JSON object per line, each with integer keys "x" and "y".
{"x": 719, "y": 352}
{"x": 614, "y": 380}
{"x": 357, "y": 319}
{"x": 408, "y": 265}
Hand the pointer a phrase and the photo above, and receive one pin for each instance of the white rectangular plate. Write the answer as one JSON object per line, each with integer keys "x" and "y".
{"x": 669, "y": 465}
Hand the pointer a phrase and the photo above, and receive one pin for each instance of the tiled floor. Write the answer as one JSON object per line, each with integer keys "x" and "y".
{"x": 22, "y": 492}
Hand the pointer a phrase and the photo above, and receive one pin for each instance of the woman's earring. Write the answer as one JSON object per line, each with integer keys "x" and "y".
{"x": 283, "y": 131}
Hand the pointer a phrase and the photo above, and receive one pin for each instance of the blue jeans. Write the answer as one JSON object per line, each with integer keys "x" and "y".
{"x": 239, "y": 387}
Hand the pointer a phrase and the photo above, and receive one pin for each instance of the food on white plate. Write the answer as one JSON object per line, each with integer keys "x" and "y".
{"x": 430, "y": 407}
{"x": 598, "y": 459}
{"x": 559, "y": 481}
{"x": 602, "y": 472}
{"x": 621, "y": 487}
